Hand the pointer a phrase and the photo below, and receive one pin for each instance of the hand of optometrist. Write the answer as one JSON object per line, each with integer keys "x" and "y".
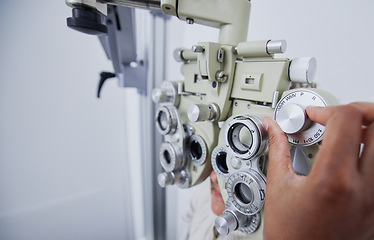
{"x": 336, "y": 200}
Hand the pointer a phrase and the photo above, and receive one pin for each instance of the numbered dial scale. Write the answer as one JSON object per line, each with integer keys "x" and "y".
{"x": 291, "y": 115}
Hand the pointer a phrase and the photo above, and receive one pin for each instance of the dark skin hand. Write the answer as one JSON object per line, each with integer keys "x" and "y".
{"x": 336, "y": 200}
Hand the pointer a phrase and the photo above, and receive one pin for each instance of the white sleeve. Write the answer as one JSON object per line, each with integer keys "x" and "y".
{"x": 186, "y": 218}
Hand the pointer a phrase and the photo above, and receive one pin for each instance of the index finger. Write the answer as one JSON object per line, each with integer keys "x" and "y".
{"x": 322, "y": 114}
{"x": 280, "y": 165}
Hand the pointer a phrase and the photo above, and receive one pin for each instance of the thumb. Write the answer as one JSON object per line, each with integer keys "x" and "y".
{"x": 280, "y": 165}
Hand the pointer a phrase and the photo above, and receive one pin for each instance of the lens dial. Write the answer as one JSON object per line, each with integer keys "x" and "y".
{"x": 291, "y": 116}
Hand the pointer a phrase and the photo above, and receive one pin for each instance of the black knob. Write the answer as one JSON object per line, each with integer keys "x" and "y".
{"x": 87, "y": 21}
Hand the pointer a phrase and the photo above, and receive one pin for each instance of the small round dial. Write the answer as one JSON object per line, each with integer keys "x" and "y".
{"x": 291, "y": 116}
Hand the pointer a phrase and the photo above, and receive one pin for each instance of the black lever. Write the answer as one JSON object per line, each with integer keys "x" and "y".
{"x": 103, "y": 77}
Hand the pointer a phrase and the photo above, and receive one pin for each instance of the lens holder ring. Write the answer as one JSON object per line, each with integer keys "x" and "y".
{"x": 198, "y": 156}
{"x": 255, "y": 183}
{"x": 171, "y": 156}
{"x": 258, "y": 134}
{"x": 220, "y": 165}
{"x": 170, "y": 114}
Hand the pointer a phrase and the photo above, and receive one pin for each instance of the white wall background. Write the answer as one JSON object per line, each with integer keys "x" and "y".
{"x": 62, "y": 153}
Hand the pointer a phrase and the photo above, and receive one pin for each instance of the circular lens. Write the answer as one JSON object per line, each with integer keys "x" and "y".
{"x": 241, "y": 138}
{"x": 167, "y": 157}
{"x": 243, "y": 193}
{"x": 221, "y": 162}
{"x": 195, "y": 149}
{"x": 162, "y": 120}
{"x": 245, "y": 137}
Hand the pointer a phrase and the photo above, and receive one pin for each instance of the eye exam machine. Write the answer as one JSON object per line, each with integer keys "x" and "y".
{"x": 212, "y": 119}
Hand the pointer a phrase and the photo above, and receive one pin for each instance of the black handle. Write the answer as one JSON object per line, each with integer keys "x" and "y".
{"x": 103, "y": 77}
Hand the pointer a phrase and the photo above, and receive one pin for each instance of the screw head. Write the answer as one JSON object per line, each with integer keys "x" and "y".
{"x": 190, "y": 21}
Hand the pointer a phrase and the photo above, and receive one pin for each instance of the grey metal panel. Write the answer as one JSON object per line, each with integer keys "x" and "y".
{"x": 120, "y": 47}
{"x": 155, "y": 195}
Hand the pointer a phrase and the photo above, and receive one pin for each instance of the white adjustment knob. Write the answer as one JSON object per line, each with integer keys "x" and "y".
{"x": 303, "y": 69}
{"x": 203, "y": 112}
{"x": 292, "y": 118}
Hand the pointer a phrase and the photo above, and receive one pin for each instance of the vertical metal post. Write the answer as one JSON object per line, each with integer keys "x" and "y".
{"x": 154, "y": 195}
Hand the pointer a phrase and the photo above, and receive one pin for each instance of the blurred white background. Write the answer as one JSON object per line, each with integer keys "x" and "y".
{"x": 63, "y": 151}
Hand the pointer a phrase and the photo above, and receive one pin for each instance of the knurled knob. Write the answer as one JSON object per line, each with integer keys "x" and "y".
{"x": 226, "y": 223}
{"x": 165, "y": 179}
{"x": 159, "y": 95}
{"x": 178, "y": 177}
{"x": 202, "y": 112}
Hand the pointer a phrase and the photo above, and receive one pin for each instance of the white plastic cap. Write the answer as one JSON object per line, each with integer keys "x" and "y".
{"x": 303, "y": 69}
